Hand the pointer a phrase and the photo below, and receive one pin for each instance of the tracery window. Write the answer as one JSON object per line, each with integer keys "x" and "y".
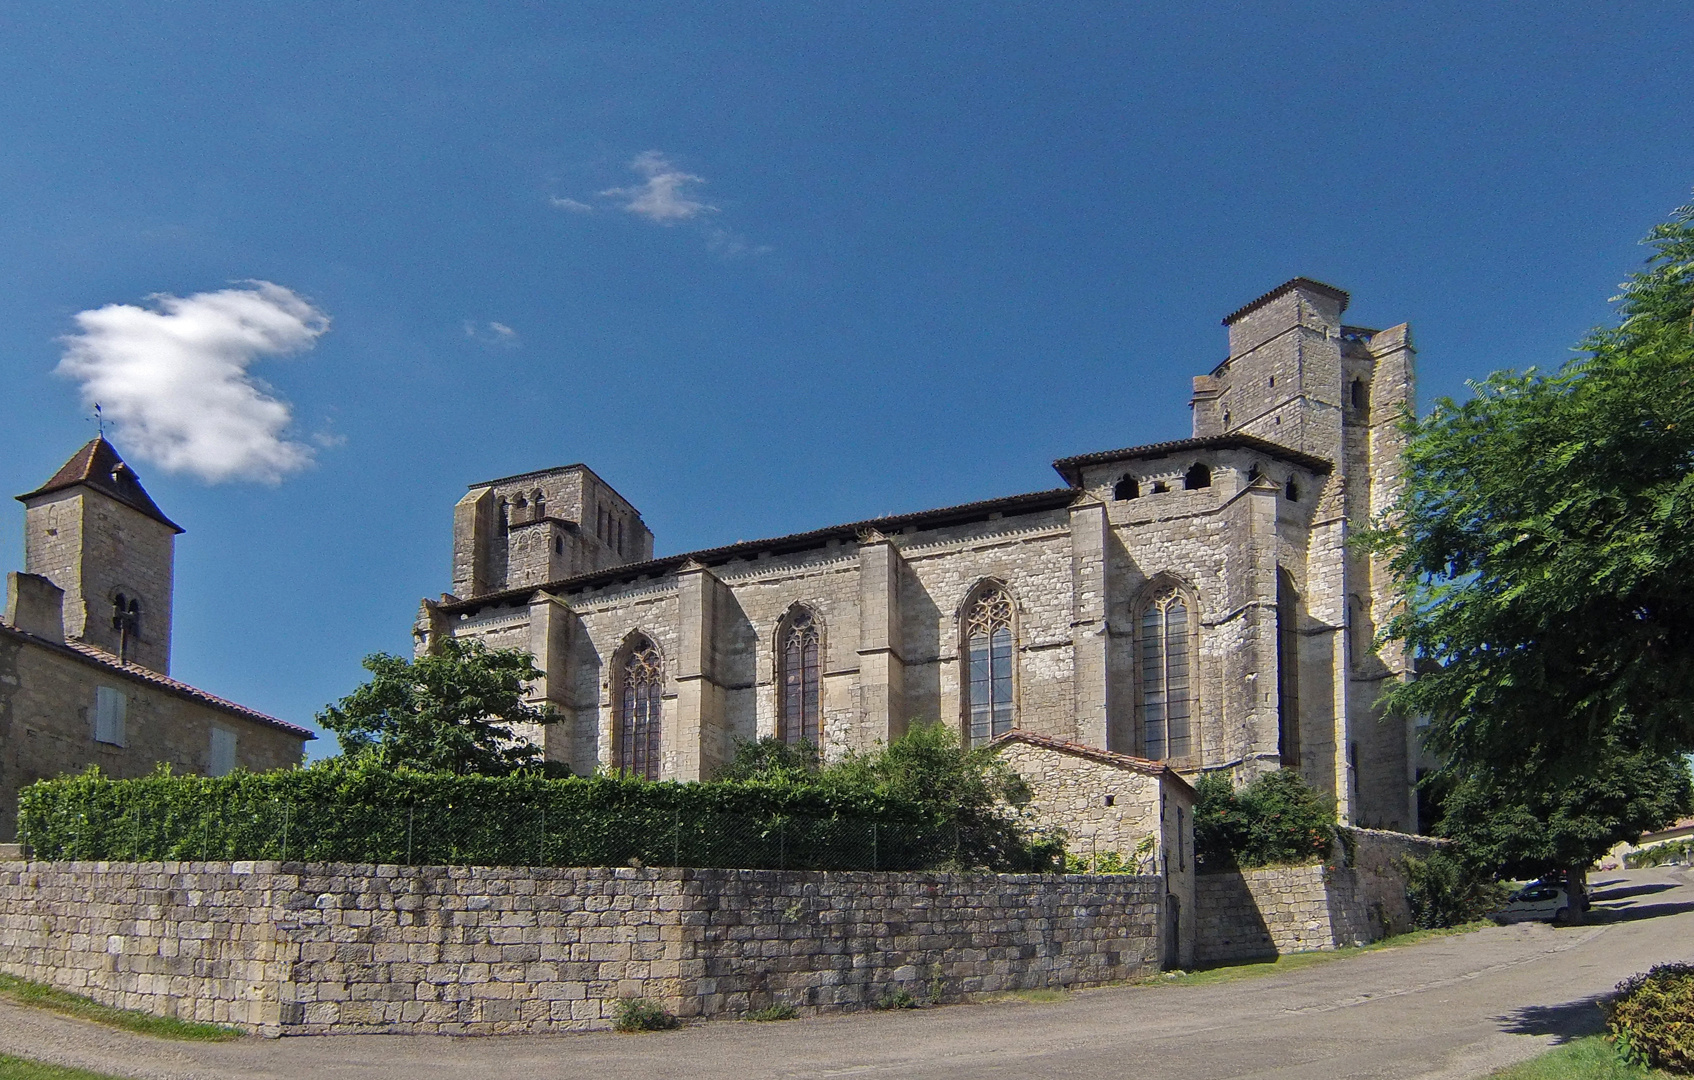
{"x": 800, "y": 709}
{"x": 640, "y": 684}
{"x": 1167, "y": 694}
{"x": 988, "y": 652}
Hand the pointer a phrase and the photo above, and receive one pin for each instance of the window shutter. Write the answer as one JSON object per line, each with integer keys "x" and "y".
{"x": 222, "y": 758}
{"x": 109, "y": 707}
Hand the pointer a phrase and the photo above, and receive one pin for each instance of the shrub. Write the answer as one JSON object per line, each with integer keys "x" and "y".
{"x": 1277, "y": 819}
{"x": 774, "y": 1012}
{"x": 640, "y": 1014}
{"x": 897, "y": 999}
{"x": 1651, "y": 1018}
{"x": 1443, "y": 891}
{"x": 1675, "y": 851}
{"x": 861, "y": 817}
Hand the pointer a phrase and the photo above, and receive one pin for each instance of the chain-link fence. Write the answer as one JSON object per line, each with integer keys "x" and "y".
{"x": 140, "y": 830}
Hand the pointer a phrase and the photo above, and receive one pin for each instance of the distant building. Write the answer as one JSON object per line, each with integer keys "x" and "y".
{"x": 85, "y": 647}
{"x": 1193, "y": 604}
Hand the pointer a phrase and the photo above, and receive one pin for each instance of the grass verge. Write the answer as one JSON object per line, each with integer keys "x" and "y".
{"x": 1591, "y": 1058}
{"x": 40, "y": 996}
{"x": 1287, "y": 962}
{"x": 16, "y": 1068}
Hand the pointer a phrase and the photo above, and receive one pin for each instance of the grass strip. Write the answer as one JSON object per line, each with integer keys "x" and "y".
{"x": 16, "y": 1068}
{"x": 1287, "y": 962}
{"x": 1591, "y": 1058}
{"x": 40, "y": 996}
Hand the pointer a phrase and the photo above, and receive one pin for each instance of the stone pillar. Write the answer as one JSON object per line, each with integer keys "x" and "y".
{"x": 473, "y": 522}
{"x": 551, "y": 624}
{"x": 1261, "y": 753}
{"x": 882, "y": 669}
{"x": 694, "y": 744}
{"x": 1089, "y": 640}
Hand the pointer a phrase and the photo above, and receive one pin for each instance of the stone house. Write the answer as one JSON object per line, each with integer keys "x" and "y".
{"x": 1191, "y": 603}
{"x": 86, "y": 643}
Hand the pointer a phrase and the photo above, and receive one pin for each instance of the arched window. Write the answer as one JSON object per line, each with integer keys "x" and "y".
{"x": 988, "y": 665}
{"x": 1357, "y": 393}
{"x": 1127, "y": 488}
{"x": 539, "y": 501}
{"x": 1291, "y": 490}
{"x": 1199, "y": 475}
{"x": 799, "y": 711}
{"x": 126, "y": 617}
{"x": 1167, "y": 683}
{"x": 641, "y": 681}
{"x": 1287, "y": 670}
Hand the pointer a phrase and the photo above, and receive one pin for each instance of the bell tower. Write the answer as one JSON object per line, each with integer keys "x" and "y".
{"x": 93, "y": 531}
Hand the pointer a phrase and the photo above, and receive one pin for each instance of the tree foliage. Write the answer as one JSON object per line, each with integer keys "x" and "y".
{"x": 1543, "y": 548}
{"x": 1276, "y": 819}
{"x": 1513, "y": 822}
{"x": 454, "y": 710}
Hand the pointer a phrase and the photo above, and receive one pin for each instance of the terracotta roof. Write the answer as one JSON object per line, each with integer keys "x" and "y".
{"x": 98, "y": 466}
{"x": 106, "y": 661}
{"x": 1285, "y": 288}
{"x": 1093, "y": 753}
{"x": 1070, "y": 467}
{"x": 1031, "y": 503}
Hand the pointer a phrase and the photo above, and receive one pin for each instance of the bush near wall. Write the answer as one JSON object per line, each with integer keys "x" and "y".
{"x": 348, "y": 812}
{"x": 1651, "y": 1018}
{"x": 1278, "y": 819}
{"x": 1674, "y": 851}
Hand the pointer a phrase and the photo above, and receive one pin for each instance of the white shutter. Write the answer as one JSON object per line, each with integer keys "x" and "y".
{"x": 222, "y": 761}
{"x": 109, "y": 707}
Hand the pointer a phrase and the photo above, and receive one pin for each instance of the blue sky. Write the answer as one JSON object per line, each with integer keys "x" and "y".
{"x": 764, "y": 267}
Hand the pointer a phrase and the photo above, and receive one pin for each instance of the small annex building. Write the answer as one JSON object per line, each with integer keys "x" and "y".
{"x": 1119, "y": 814}
{"x": 85, "y": 646}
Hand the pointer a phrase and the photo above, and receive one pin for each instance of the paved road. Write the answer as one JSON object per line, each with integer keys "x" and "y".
{"x": 1450, "y": 1008}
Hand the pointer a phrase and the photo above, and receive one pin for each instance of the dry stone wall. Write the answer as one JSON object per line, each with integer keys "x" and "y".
{"x": 331, "y": 948}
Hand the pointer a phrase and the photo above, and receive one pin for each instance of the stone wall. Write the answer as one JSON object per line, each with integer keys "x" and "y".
{"x": 317, "y": 949}
{"x": 1355, "y": 899}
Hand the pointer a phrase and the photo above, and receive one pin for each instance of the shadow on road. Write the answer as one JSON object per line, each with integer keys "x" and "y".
{"x": 1571, "y": 1020}
{"x": 1637, "y": 912}
{"x": 1635, "y": 890}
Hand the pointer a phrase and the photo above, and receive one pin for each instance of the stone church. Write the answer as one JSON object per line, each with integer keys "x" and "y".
{"x": 1192, "y": 603}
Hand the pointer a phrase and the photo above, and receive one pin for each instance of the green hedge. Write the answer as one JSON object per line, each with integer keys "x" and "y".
{"x": 1278, "y": 819}
{"x": 1651, "y": 1018}
{"x": 351, "y": 813}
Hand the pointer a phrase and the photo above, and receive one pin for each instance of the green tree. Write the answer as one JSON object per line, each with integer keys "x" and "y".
{"x": 453, "y": 710}
{"x": 1543, "y": 547}
{"x": 1515, "y": 822}
{"x": 1277, "y": 819}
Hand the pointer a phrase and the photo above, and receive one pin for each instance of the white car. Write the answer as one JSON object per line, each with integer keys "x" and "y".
{"x": 1539, "y": 902}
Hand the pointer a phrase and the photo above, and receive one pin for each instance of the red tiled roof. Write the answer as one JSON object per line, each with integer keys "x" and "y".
{"x": 1094, "y": 753}
{"x": 106, "y": 661}
{"x": 98, "y": 466}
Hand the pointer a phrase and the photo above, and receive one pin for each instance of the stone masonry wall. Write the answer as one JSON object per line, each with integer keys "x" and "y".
{"x": 331, "y": 948}
{"x": 1354, "y": 900}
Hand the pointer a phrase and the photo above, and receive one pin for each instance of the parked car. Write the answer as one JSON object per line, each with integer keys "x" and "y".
{"x": 1539, "y": 902}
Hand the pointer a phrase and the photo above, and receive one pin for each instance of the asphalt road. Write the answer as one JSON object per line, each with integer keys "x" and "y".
{"x": 1452, "y": 1007}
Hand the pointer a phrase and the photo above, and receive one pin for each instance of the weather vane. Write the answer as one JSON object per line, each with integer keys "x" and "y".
{"x": 99, "y": 420}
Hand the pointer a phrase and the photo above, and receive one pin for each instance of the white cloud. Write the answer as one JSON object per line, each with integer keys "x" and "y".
{"x": 493, "y": 333}
{"x": 572, "y": 205}
{"x": 662, "y": 198}
{"x": 174, "y": 378}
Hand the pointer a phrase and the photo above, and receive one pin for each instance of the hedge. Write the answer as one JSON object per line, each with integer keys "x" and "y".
{"x": 345, "y": 813}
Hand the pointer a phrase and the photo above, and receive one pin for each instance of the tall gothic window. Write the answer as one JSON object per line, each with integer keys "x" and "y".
{"x": 801, "y": 712}
{"x": 640, "y": 683}
{"x": 988, "y": 651}
{"x": 1167, "y": 695}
